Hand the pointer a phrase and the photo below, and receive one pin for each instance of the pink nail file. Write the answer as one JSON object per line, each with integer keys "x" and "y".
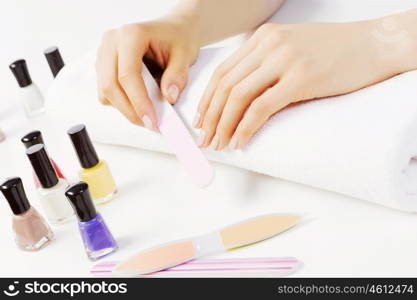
{"x": 236, "y": 267}
{"x": 178, "y": 136}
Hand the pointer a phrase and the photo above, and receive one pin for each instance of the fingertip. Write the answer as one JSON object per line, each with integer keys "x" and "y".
{"x": 147, "y": 115}
{"x": 201, "y": 139}
{"x": 152, "y": 121}
{"x": 234, "y": 143}
{"x": 205, "y": 143}
{"x": 208, "y": 143}
{"x": 241, "y": 140}
{"x": 197, "y": 120}
{"x": 135, "y": 121}
{"x": 173, "y": 93}
{"x": 172, "y": 83}
{"x": 104, "y": 101}
{"x": 215, "y": 143}
{"x": 223, "y": 144}
{"x": 170, "y": 100}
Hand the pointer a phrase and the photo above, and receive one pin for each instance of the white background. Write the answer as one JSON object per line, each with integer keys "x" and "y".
{"x": 340, "y": 236}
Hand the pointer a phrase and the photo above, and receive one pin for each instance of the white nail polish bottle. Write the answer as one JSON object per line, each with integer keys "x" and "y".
{"x": 52, "y": 190}
{"x": 30, "y": 95}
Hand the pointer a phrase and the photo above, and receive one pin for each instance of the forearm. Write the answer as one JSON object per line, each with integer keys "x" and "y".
{"x": 213, "y": 20}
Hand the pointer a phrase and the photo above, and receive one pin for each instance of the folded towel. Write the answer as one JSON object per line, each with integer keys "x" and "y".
{"x": 362, "y": 144}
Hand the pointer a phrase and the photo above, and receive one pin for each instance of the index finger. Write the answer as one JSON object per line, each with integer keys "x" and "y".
{"x": 129, "y": 74}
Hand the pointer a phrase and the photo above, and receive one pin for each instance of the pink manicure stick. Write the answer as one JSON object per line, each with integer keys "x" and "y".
{"x": 178, "y": 136}
{"x": 241, "y": 267}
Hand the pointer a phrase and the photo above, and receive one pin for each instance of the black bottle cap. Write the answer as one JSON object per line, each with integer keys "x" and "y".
{"x": 32, "y": 138}
{"x": 54, "y": 59}
{"x": 80, "y": 199}
{"x": 42, "y": 165}
{"x": 14, "y": 192}
{"x": 20, "y": 71}
{"x": 86, "y": 153}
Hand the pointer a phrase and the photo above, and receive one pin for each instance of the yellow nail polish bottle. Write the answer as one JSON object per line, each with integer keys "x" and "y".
{"x": 95, "y": 172}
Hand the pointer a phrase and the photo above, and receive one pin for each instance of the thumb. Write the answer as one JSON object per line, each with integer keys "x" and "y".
{"x": 175, "y": 76}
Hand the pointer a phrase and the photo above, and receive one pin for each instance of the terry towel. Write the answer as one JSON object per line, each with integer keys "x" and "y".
{"x": 361, "y": 144}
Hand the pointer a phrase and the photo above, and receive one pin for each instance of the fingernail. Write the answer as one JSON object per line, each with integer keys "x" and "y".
{"x": 147, "y": 121}
{"x": 215, "y": 142}
{"x": 197, "y": 120}
{"x": 173, "y": 92}
{"x": 201, "y": 138}
{"x": 234, "y": 143}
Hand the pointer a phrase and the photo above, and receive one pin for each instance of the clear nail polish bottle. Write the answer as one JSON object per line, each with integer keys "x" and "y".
{"x": 34, "y": 138}
{"x": 52, "y": 189}
{"x": 30, "y": 95}
{"x": 95, "y": 172}
{"x": 30, "y": 228}
{"x": 97, "y": 239}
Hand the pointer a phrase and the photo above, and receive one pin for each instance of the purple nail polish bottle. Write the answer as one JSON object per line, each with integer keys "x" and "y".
{"x": 98, "y": 241}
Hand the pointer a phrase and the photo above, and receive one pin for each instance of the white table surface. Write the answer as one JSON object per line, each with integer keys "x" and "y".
{"x": 157, "y": 202}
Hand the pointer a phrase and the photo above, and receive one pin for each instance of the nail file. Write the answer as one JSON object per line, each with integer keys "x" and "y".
{"x": 178, "y": 252}
{"x": 236, "y": 267}
{"x": 177, "y": 135}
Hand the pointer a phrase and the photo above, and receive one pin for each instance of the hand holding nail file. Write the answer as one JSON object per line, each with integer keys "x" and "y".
{"x": 177, "y": 252}
{"x": 177, "y": 135}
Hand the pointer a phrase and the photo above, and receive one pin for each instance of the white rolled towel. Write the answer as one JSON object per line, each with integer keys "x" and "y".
{"x": 361, "y": 144}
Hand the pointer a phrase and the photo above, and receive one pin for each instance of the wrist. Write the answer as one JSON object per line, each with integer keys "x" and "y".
{"x": 189, "y": 12}
{"x": 188, "y": 22}
{"x": 185, "y": 31}
{"x": 395, "y": 40}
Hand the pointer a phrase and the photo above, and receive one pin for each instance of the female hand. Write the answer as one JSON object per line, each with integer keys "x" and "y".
{"x": 170, "y": 42}
{"x": 283, "y": 64}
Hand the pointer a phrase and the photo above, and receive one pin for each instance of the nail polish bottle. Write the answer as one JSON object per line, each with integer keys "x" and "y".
{"x": 34, "y": 138}
{"x": 98, "y": 241}
{"x": 52, "y": 190}
{"x": 30, "y": 95}
{"x": 30, "y": 228}
{"x": 54, "y": 59}
{"x": 2, "y": 136}
{"x": 95, "y": 172}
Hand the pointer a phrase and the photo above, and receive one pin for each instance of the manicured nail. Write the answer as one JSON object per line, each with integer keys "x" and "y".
{"x": 215, "y": 143}
{"x": 201, "y": 138}
{"x": 234, "y": 143}
{"x": 147, "y": 121}
{"x": 197, "y": 120}
{"x": 173, "y": 92}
